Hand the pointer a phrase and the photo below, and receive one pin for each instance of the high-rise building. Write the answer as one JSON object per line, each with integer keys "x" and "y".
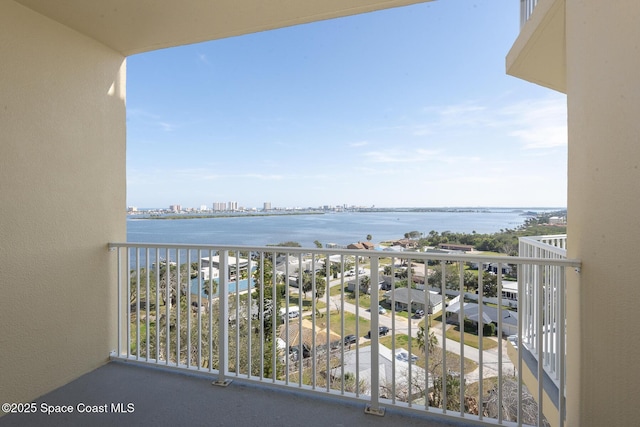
{"x": 267, "y": 206}
{"x": 219, "y": 206}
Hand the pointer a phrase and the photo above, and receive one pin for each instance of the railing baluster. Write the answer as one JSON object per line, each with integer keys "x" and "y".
{"x": 147, "y": 302}
{"x": 327, "y": 295}
{"x": 393, "y": 329}
{"x": 209, "y": 304}
{"x": 260, "y": 279}
{"x": 539, "y": 339}
{"x": 274, "y": 317}
{"x": 481, "y": 332}
{"x": 119, "y": 291}
{"x": 462, "y": 332}
{"x": 314, "y": 353}
{"x": 158, "y": 329}
{"x": 238, "y": 319}
{"x": 500, "y": 379}
{"x": 249, "y": 313}
{"x": 427, "y": 329}
{"x": 137, "y": 302}
{"x": 374, "y": 407}
{"x": 443, "y": 377}
{"x": 520, "y": 340}
{"x": 560, "y": 349}
{"x": 356, "y": 289}
{"x": 190, "y": 302}
{"x": 223, "y": 319}
{"x": 409, "y": 324}
{"x": 342, "y": 337}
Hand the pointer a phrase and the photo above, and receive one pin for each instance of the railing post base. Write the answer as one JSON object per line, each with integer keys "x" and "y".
{"x": 374, "y": 411}
{"x": 222, "y": 383}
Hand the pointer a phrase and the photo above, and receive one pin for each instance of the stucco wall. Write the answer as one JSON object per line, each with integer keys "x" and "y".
{"x": 62, "y": 199}
{"x": 603, "y": 92}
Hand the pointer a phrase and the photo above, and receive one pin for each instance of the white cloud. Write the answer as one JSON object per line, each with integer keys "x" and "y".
{"x": 538, "y": 124}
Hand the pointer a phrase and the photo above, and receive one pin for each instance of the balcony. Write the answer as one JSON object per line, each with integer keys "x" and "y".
{"x": 526, "y": 9}
{"x": 538, "y": 55}
{"x": 543, "y": 319}
{"x": 171, "y": 316}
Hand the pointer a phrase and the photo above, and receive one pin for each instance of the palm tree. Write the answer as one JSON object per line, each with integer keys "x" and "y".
{"x": 426, "y": 344}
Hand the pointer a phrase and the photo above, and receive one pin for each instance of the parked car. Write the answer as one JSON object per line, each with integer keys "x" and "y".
{"x": 294, "y": 351}
{"x": 382, "y": 331}
{"x": 403, "y": 356}
{"x": 350, "y": 339}
{"x": 419, "y": 314}
{"x": 381, "y": 310}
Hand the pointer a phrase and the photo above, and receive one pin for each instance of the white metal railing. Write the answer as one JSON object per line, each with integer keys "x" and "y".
{"x": 543, "y": 306}
{"x": 226, "y": 311}
{"x": 526, "y": 9}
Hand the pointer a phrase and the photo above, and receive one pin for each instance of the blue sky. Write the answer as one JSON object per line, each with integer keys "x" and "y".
{"x": 403, "y": 107}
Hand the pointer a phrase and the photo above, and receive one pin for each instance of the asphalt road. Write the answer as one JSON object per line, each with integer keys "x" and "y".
{"x": 488, "y": 358}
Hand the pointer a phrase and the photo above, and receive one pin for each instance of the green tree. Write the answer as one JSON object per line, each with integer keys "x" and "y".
{"x": 453, "y": 392}
{"x": 369, "y": 237}
{"x": 490, "y": 285}
{"x": 321, "y": 288}
{"x": 452, "y": 277}
{"x": 427, "y": 342}
{"x": 365, "y": 282}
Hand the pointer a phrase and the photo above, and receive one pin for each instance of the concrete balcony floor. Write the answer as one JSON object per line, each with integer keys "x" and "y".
{"x": 166, "y": 398}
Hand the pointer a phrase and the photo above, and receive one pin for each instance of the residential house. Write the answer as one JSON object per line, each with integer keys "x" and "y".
{"x": 489, "y": 314}
{"x": 406, "y": 243}
{"x": 504, "y": 268}
{"x": 456, "y": 247}
{"x": 362, "y": 245}
{"x": 430, "y": 302}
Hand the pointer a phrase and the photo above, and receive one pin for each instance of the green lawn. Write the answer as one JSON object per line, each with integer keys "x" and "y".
{"x": 307, "y": 304}
{"x": 335, "y": 323}
{"x": 471, "y": 339}
{"x": 453, "y": 360}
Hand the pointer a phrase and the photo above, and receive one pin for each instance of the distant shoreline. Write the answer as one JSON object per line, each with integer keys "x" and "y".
{"x": 244, "y": 214}
{"x": 229, "y": 215}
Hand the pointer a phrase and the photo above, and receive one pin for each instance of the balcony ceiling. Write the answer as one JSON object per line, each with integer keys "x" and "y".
{"x": 538, "y": 54}
{"x": 134, "y": 26}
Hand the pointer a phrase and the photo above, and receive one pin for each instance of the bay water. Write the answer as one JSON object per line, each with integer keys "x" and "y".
{"x": 340, "y": 228}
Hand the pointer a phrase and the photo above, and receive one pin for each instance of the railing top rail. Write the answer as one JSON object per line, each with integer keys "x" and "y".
{"x": 539, "y": 242}
{"x": 358, "y": 252}
{"x": 544, "y": 237}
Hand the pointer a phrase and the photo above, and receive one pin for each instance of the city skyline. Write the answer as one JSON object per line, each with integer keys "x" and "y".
{"x": 394, "y": 108}
{"x": 267, "y": 206}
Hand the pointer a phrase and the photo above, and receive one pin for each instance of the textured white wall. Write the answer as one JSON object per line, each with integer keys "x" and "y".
{"x": 62, "y": 199}
{"x": 603, "y": 92}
